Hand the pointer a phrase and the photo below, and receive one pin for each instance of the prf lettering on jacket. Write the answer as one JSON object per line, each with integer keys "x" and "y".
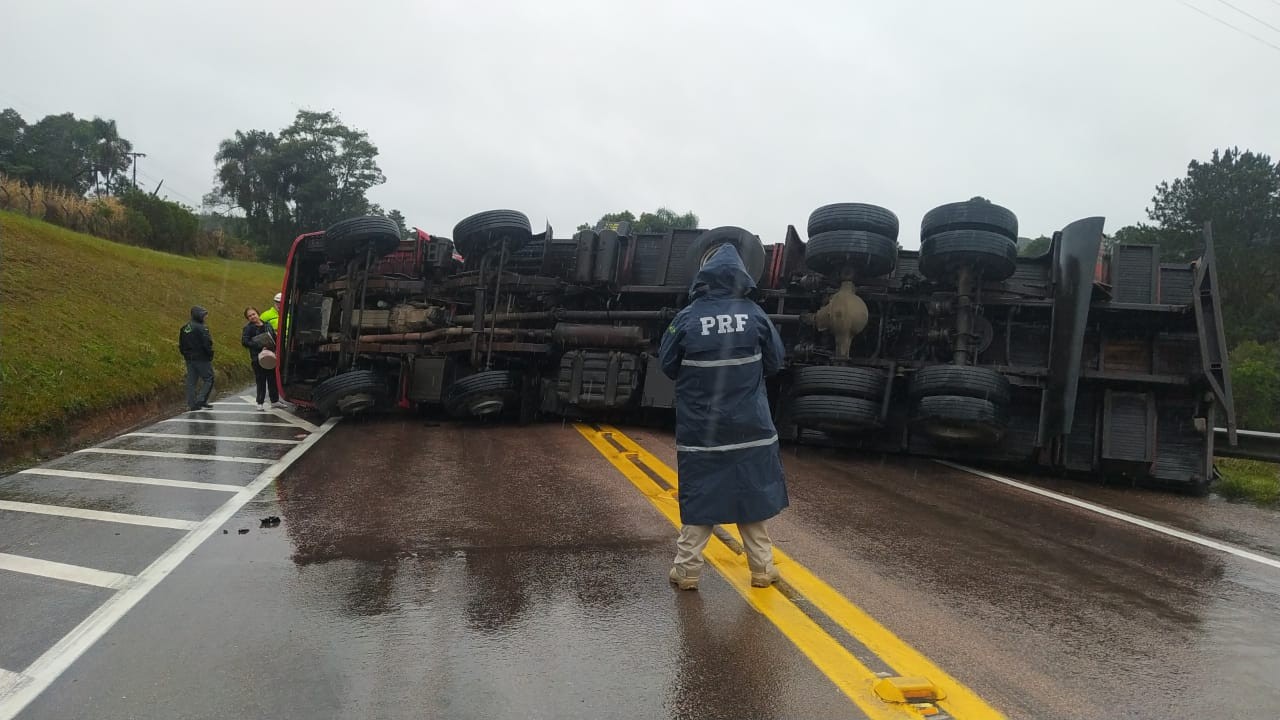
{"x": 723, "y": 323}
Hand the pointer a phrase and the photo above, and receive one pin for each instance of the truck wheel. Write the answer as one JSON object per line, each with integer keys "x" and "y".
{"x": 749, "y": 248}
{"x": 351, "y": 393}
{"x": 959, "y": 420}
{"x": 484, "y": 393}
{"x": 969, "y": 215}
{"x": 485, "y": 231}
{"x": 868, "y": 254}
{"x": 853, "y": 216}
{"x": 962, "y": 380}
{"x": 349, "y": 238}
{"x": 991, "y": 255}
{"x": 835, "y": 414}
{"x": 856, "y": 382}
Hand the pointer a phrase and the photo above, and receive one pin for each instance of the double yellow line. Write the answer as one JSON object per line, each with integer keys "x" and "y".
{"x": 846, "y": 671}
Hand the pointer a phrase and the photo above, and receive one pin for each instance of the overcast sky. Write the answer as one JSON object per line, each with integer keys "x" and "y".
{"x": 747, "y": 113}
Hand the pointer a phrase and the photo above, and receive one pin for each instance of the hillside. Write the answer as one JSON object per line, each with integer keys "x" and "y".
{"x": 87, "y": 325}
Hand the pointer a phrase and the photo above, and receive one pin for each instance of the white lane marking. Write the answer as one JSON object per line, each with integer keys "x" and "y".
{"x": 57, "y": 659}
{"x": 82, "y": 514}
{"x": 293, "y": 419}
{"x": 1122, "y": 516}
{"x": 9, "y": 679}
{"x": 63, "y": 571}
{"x": 186, "y": 484}
{"x": 284, "y": 415}
{"x": 227, "y": 438}
{"x": 176, "y": 455}
{"x": 228, "y": 422}
{"x": 246, "y": 411}
{"x": 237, "y": 403}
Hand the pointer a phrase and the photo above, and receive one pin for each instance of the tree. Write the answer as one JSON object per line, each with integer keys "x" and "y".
{"x": 1032, "y": 248}
{"x": 62, "y": 151}
{"x": 316, "y": 172}
{"x": 1255, "y": 384}
{"x": 660, "y": 220}
{"x": 1240, "y": 193}
{"x": 110, "y": 152}
{"x": 12, "y": 127}
{"x": 165, "y": 225}
{"x": 398, "y": 217}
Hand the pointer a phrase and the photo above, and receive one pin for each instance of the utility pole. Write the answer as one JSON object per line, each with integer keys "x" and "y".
{"x": 135, "y": 156}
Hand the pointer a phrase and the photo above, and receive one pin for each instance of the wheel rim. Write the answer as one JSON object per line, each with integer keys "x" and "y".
{"x": 355, "y": 403}
{"x": 957, "y": 432}
{"x": 487, "y": 406}
{"x": 710, "y": 251}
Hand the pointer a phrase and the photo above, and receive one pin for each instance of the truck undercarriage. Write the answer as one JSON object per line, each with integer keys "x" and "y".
{"x": 1110, "y": 363}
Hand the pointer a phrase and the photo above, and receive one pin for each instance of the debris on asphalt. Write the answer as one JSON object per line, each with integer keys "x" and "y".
{"x": 270, "y": 521}
{"x": 243, "y": 531}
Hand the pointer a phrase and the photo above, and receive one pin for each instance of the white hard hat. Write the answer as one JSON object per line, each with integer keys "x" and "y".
{"x": 277, "y": 298}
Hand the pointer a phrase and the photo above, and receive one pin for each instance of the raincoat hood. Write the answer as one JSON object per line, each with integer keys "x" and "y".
{"x": 198, "y": 314}
{"x": 723, "y": 276}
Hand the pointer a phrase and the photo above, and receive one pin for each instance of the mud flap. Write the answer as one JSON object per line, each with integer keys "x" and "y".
{"x": 1074, "y": 263}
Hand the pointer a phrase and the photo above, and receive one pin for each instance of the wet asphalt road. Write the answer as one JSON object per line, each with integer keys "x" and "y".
{"x": 428, "y": 570}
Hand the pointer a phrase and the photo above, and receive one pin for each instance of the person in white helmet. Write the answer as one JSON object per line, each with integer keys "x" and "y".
{"x": 272, "y": 316}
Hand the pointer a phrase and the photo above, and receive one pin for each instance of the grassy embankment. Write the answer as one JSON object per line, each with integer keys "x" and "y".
{"x": 88, "y": 326}
{"x": 1257, "y": 482}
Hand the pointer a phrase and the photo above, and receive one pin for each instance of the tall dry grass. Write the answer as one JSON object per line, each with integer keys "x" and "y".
{"x": 104, "y": 217}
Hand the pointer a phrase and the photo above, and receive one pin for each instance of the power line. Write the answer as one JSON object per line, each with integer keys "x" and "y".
{"x": 1233, "y": 27}
{"x": 1255, "y": 17}
{"x": 154, "y": 181}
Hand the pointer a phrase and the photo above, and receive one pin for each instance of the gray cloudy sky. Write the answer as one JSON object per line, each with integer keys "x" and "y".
{"x": 748, "y": 113}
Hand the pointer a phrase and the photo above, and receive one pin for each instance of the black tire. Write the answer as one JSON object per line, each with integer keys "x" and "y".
{"x": 962, "y": 380}
{"x": 856, "y": 382}
{"x": 750, "y": 249}
{"x": 349, "y": 238}
{"x": 868, "y": 254}
{"x": 485, "y": 393}
{"x": 853, "y": 216}
{"x": 969, "y": 215}
{"x": 957, "y": 420}
{"x": 352, "y": 393}
{"x": 485, "y": 231}
{"x": 835, "y": 414}
{"x": 993, "y": 256}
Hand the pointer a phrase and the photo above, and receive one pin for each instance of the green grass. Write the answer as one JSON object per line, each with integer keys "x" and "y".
{"x": 87, "y": 324}
{"x": 1257, "y": 482}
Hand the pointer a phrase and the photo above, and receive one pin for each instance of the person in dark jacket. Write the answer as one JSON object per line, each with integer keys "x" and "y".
{"x": 195, "y": 342}
{"x": 718, "y": 349}
{"x": 258, "y": 335}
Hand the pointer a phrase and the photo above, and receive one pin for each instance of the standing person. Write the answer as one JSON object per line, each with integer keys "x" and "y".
{"x": 718, "y": 349}
{"x": 257, "y": 336}
{"x": 195, "y": 342}
{"x": 272, "y": 315}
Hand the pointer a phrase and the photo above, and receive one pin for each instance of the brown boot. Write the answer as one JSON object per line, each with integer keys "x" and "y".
{"x": 765, "y": 579}
{"x": 681, "y": 580}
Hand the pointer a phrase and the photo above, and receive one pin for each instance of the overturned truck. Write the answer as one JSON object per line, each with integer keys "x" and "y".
{"x": 1102, "y": 361}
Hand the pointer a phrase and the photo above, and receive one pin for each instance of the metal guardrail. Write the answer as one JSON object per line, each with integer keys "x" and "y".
{"x": 1250, "y": 445}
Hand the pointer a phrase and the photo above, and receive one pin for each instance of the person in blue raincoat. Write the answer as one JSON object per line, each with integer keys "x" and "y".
{"x": 719, "y": 349}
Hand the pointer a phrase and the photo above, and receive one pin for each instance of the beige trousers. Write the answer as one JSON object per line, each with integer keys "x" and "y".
{"x": 693, "y": 538}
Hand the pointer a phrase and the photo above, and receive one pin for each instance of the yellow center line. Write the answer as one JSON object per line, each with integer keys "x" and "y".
{"x": 848, "y": 673}
{"x": 959, "y": 700}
